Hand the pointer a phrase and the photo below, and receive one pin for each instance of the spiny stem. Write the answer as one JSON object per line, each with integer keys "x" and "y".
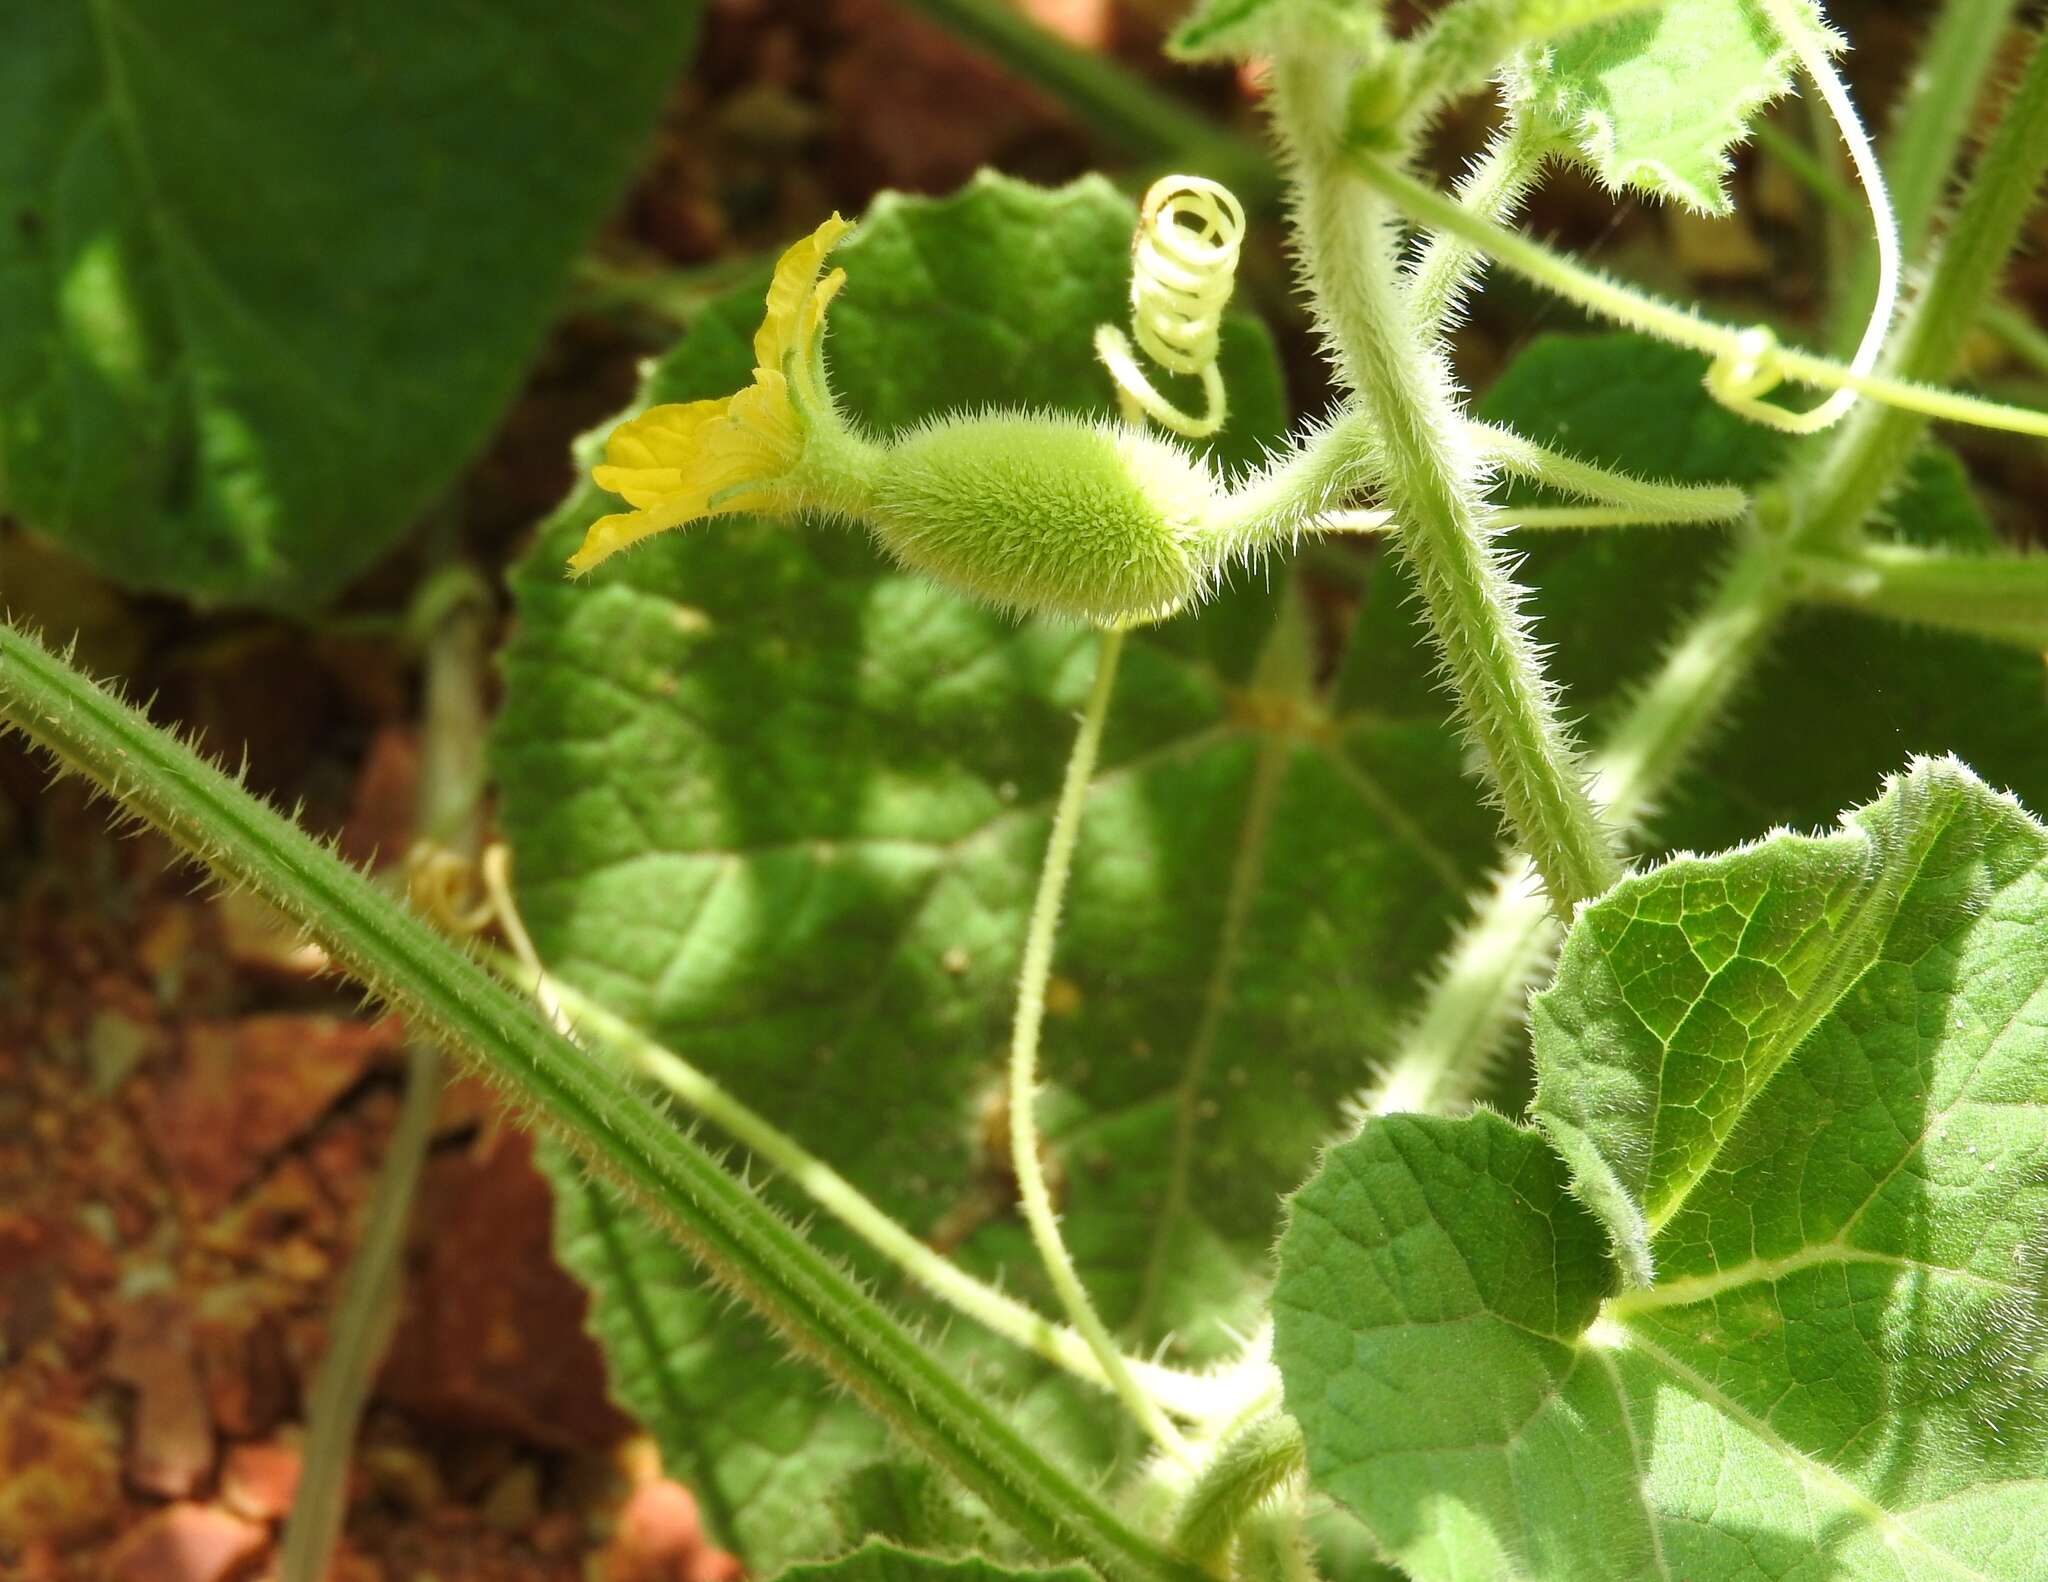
{"x": 1493, "y": 188}
{"x": 1182, "y": 1393}
{"x": 1249, "y": 1467}
{"x": 449, "y": 812}
{"x": 1032, "y": 977}
{"x": 1475, "y": 999}
{"x": 1528, "y": 518}
{"x": 1663, "y": 502}
{"x": 1431, "y": 482}
{"x": 1602, "y": 295}
{"x": 817, "y": 1309}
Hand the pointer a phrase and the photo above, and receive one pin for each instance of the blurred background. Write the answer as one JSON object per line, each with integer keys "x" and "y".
{"x": 191, "y": 1113}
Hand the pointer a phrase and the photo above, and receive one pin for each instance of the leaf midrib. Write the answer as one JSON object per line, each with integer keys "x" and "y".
{"x": 1856, "y": 948}
{"x": 1808, "y": 1470}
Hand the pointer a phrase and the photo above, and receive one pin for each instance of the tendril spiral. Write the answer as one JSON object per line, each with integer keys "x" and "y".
{"x": 1183, "y": 271}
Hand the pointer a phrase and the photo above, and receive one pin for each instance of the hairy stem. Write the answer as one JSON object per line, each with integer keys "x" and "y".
{"x": 1532, "y": 518}
{"x": 1475, "y": 999}
{"x": 2002, "y": 597}
{"x": 1248, "y": 1468}
{"x": 1663, "y": 502}
{"x": 1607, "y": 298}
{"x": 1033, "y": 1196}
{"x": 1004, "y": 1315}
{"x": 455, "y": 609}
{"x": 1431, "y": 481}
{"x": 817, "y": 1309}
{"x": 1811, "y": 50}
{"x": 1494, "y": 188}
{"x": 1861, "y": 469}
{"x": 1928, "y": 127}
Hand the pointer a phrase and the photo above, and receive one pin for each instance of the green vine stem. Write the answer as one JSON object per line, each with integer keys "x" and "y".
{"x": 1474, "y": 1000}
{"x": 1927, "y": 132}
{"x": 1249, "y": 1467}
{"x": 1651, "y": 500}
{"x": 1857, "y": 474}
{"x": 1998, "y": 596}
{"x": 1431, "y": 480}
{"x": 2020, "y": 335}
{"x": 819, "y": 1310}
{"x": 1529, "y": 518}
{"x": 1606, "y": 297}
{"x": 452, "y": 611}
{"x": 1032, "y": 1194}
{"x": 1493, "y": 188}
{"x": 1184, "y": 1394}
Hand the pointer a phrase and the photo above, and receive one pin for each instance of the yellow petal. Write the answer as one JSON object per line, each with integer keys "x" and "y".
{"x": 610, "y": 534}
{"x": 664, "y": 436}
{"x": 763, "y": 414}
{"x": 796, "y": 275}
{"x": 811, "y": 319}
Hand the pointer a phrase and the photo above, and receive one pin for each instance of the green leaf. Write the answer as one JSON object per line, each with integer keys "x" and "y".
{"x": 784, "y": 806}
{"x": 1239, "y": 30}
{"x": 1653, "y": 101}
{"x": 270, "y": 275}
{"x": 1811, "y": 1069}
{"x": 726, "y": 1407}
{"x": 885, "y": 1562}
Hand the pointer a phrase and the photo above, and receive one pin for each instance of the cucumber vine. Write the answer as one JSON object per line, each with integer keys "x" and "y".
{"x": 1119, "y": 524}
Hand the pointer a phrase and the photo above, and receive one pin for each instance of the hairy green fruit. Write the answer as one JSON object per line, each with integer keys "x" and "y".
{"x": 1047, "y": 514}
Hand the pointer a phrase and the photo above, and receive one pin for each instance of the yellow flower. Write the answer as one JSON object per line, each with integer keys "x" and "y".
{"x": 677, "y": 463}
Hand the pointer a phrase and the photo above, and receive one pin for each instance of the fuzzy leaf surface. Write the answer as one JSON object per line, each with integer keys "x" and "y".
{"x": 1652, "y": 101}
{"x": 784, "y": 806}
{"x": 269, "y": 274}
{"x": 1837, "y": 1370}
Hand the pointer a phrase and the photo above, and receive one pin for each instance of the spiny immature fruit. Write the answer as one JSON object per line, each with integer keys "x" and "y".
{"x": 1048, "y": 514}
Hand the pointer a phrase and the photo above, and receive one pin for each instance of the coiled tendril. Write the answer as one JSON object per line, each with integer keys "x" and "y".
{"x": 1183, "y": 270}
{"x": 1742, "y": 378}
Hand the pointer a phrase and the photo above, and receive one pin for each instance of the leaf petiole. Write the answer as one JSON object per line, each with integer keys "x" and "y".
{"x": 1036, "y": 971}
{"x": 1606, "y": 297}
{"x": 1181, "y": 1393}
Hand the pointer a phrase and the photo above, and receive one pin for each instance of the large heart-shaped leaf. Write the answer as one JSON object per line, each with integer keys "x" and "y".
{"x": 784, "y": 806}
{"x": 1807, "y": 1079}
{"x": 270, "y": 272}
